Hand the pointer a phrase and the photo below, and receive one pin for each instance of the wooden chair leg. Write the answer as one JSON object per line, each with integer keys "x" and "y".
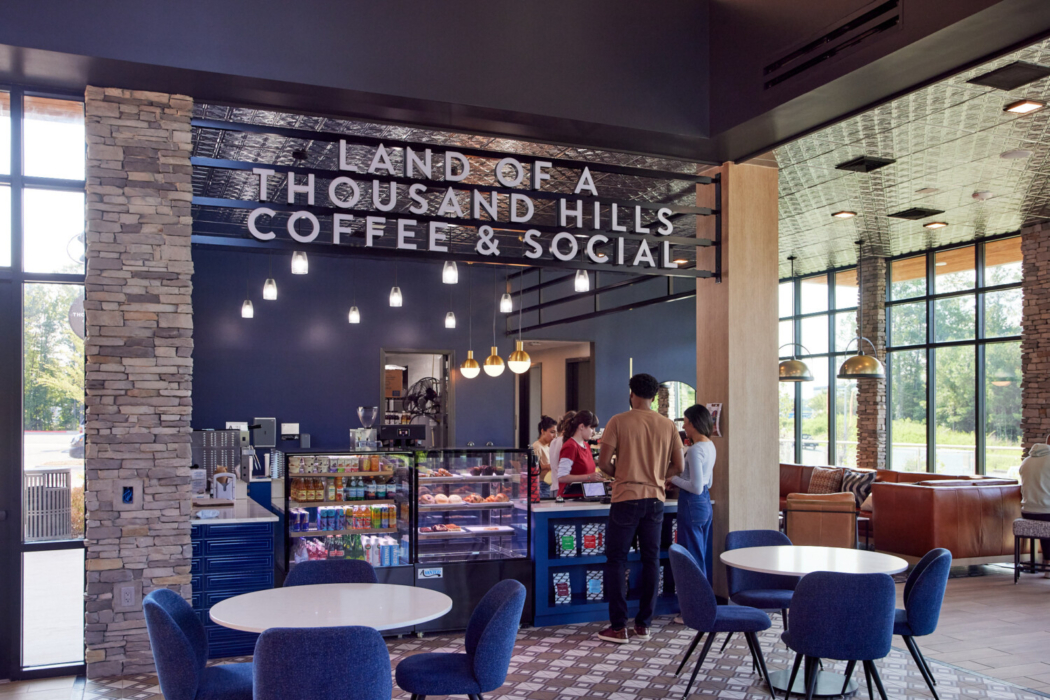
{"x": 849, "y": 674}
{"x": 689, "y": 652}
{"x": 700, "y": 662}
{"x": 794, "y": 674}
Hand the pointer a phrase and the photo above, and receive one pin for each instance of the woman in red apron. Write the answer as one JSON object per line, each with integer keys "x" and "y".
{"x": 575, "y": 462}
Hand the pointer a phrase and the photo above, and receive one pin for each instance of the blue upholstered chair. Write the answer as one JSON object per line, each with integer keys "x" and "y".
{"x": 180, "y": 650}
{"x": 322, "y": 663}
{"x": 848, "y": 617}
{"x": 308, "y": 573}
{"x": 490, "y": 637}
{"x": 702, "y": 612}
{"x": 754, "y": 589}
{"x": 923, "y": 594}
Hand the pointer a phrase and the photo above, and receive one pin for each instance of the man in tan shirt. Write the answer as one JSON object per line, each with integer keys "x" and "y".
{"x": 648, "y": 452}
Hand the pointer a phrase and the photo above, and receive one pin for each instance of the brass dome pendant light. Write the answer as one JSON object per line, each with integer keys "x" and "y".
{"x": 794, "y": 370}
{"x": 861, "y": 366}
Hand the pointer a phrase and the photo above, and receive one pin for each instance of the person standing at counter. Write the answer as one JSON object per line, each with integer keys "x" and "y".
{"x": 648, "y": 453}
{"x": 541, "y": 448}
{"x": 694, "y": 498}
{"x": 555, "y": 447}
{"x": 575, "y": 461}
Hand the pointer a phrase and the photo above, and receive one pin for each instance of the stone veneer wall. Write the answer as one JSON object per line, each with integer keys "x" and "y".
{"x": 871, "y": 394}
{"x": 139, "y": 367}
{"x": 1035, "y": 335}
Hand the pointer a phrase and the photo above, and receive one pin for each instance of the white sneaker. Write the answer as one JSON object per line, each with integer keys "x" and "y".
{"x": 679, "y": 621}
{"x": 1046, "y": 574}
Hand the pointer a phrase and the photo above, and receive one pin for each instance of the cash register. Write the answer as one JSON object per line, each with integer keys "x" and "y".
{"x": 591, "y": 491}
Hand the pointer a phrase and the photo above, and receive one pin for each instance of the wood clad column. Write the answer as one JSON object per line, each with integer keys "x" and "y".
{"x": 736, "y": 350}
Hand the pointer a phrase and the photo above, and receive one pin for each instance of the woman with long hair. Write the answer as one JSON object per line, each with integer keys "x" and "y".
{"x": 548, "y": 428}
{"x": 575, "y": 461}
{"x": 694, "y": 484}
{"x": 555, "y": 448}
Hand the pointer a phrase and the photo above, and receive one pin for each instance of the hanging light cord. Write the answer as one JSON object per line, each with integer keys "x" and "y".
{"x": 470, "y": 312}
{"x": 353, "y": 280}
{"x": 271, "y": 266}
{"x": 247, "y": 275}
{"x": 495, "y": 290}
{"x": 860, "y": 298}
{"x": 521, "y": 300}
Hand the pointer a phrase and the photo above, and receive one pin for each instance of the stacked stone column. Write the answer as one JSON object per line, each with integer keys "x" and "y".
{"x": 871, "y": 394}
{"x": 1035, "y": 335}
{"x": 139, "y": 366}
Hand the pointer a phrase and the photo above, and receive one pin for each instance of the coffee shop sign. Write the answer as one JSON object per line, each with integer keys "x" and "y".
{"x": 345, "y": 192}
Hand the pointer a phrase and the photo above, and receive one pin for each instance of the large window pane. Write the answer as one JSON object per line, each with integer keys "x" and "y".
{"x": 787, "y": 299}
{"x": 54, "y": 141}
{"x": 907, "y": 324}
{"x": 954, "y": 319}
{"x": 815, "y": 413}
{"x": 908, "y": 278}
{"x": 1002, "y": 313}
{"x": 954, "y": 270}
{"x": 53, "y": 410}
{"x": 1002, "y": 421}
{"x": 955, "y": 410}
{"x": 787, "y": 333}
{"x": 54, "y": 231}
{"x": 845, "y": 330}
{"x": 1002, "y": 261}
{"x": 908, "y": 410}
{"x": 845, "y": 422}
{"x": 5, "y": 133}
{"x": 815, "y": 335}
{"x": 5, "y": 226}
{"x": 53, "y": 607}
{"x": 814, "y": 294}
{"x": 846, "y": 289}
{"x": 787, "y": 422}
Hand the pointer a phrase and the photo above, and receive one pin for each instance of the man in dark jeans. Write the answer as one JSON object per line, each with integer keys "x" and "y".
{"x": 648, "y": 452}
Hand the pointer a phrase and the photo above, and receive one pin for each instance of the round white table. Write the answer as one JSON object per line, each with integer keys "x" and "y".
{"x": 377, "y": 605}
{"x": 799, "y": 561}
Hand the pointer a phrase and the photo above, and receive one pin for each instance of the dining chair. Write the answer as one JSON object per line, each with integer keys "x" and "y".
{"x": 701, "y": 612}
{"x": 754, "y": 589}
{"x": 308, "y": 573}
{"x": 848, "y": 617}
{"x": 923, "y": 595}
{"x": 490, "y": 636}
{"x": 180, "y": 651}
{"x": 322, "y": 663}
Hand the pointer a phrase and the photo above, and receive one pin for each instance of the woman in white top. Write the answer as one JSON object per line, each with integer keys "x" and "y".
{"x": 694, "y": 498}
{"x": 555, "y": 448}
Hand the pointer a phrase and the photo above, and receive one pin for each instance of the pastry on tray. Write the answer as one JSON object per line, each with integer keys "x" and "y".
{"x": 426, "y": 500}
{"x": 441, "y": 499}
{"x": 426, "y": 529}
{"x": 440, "y": 528}
{"x": 455, "y": 499}
{"x": 453, "y": 528}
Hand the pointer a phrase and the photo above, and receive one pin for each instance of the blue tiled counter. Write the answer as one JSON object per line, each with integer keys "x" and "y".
{"x": 547, "y": 515}
{"x": 231, "y": 555}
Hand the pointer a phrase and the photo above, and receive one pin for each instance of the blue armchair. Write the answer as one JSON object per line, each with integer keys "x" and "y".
{"x": 757, "y": 590}
{"x": 490, "y": 637}
{"x": 309, "y": 573}
{"x": 923, "y": 595}
{"x": 841, "y": 616}
{"x": 322, "y": 663}
{"x": 180, "y": 650}
{"x": 702, "y": 612}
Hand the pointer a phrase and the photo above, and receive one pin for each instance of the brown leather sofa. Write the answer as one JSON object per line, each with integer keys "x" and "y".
{"x": 824, "y": 520}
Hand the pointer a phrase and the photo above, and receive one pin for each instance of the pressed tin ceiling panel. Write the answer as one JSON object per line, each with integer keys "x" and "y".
{"x": 946, "y": 139}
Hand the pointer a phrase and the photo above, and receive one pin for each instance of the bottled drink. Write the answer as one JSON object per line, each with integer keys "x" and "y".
{"x": 360, "y": 488}
{"x": 331, "y": 489}
{"x": 381, "y": 491}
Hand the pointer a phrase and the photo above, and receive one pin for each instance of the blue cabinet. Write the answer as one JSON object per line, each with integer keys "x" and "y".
{"x": 229, "y": 560}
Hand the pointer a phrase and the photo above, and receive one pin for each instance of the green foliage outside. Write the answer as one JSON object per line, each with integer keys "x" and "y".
{"x": 53, "y": 359}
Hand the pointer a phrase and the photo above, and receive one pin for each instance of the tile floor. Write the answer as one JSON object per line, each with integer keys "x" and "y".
{"x": 991, "y": 644}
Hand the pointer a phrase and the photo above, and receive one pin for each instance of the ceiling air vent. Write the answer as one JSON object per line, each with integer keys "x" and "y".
{"x": 865, "y": 164}
{"x": 916, "y": 213}
{"x": 863, "y": 26}
{"x": 1012, "y": 76}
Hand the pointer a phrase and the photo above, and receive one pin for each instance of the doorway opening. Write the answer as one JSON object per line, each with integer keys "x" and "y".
{"x": 560, "y": 379}
{"x": 415, "y": 386}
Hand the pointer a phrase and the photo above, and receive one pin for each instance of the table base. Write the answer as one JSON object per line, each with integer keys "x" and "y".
{"x": 828, "y": 683}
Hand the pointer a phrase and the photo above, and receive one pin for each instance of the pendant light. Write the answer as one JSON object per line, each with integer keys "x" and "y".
{"x": 470, "y": 367}
{"x": 450, "y": 317}
{"x": 300, "y": 265}
{"x": 354, "y": 316}
{"x": 395, "y": 292}
{"x": 794, "y": 370}
{"x": 583, "y": 281}
{"x": 861, "y": 366}
{"x": 450, "y": 273}
{"x": 247, "y": 310}
{"x": 519, "y": 360}
{"x": 270, "y": 286}
{"x": 506, "y": 304}
{"x": 494, "y": 363}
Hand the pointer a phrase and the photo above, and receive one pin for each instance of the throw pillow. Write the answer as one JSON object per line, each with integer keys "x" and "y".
{"x": 825, "y": 480}
{"x": 866, "y": 505}
{"x": 858, "y": 483}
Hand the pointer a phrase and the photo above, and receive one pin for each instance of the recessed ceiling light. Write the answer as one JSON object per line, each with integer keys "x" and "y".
{"x": 942, "y": 264}
{"x": 844, "y": 214}
{"x": 935, "y": 224}
{"x": 927, "y": 190}
{"x": 1024, "y": 106}
{"x": 1015, "y": 154}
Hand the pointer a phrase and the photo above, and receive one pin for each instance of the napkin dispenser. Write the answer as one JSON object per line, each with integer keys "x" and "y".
{"x": 224, "y": 486}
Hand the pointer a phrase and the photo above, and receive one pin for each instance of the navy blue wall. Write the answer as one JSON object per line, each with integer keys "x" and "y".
{"x": 300, "y": 361}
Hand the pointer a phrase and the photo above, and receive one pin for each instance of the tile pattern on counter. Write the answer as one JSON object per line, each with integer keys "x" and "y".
{"x": 569, "y": 661}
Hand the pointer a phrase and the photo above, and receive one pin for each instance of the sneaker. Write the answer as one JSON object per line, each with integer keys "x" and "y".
{"x": 619, "y": 636}
{"x": 641, "y": 632}
{"x": 1046, "y": 574}
{"x": 678, "y": 620}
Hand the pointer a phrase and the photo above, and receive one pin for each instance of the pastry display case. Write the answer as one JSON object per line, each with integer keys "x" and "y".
{"x": 471, "y": 505}
{"x": 349, "y": 505}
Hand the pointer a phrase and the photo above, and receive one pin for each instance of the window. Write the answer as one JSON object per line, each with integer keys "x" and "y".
{"x": 818, "y": 419}
{"x": 954, "y": 356}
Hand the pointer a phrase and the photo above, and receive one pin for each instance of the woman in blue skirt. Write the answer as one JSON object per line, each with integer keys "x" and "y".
{"x": 694, "y": 484}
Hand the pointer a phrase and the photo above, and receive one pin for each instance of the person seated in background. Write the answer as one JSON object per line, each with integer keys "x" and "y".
{"x": 548, "y": 428}
{"x": 1035, "y": 490}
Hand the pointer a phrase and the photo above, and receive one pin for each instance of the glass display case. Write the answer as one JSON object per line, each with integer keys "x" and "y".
{"x": 472, "y": 505}
{"x": 349, "y": 505}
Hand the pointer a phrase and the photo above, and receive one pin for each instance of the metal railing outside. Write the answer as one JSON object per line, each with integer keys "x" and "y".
{"x": 47, "y": 505}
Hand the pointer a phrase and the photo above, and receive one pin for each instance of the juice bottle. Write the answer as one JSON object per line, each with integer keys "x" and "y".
{"x": 374, "y": 463}
{"x": 331, "y": 489}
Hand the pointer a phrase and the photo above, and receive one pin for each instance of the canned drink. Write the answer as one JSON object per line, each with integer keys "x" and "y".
{"x": 389, "y": 521}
